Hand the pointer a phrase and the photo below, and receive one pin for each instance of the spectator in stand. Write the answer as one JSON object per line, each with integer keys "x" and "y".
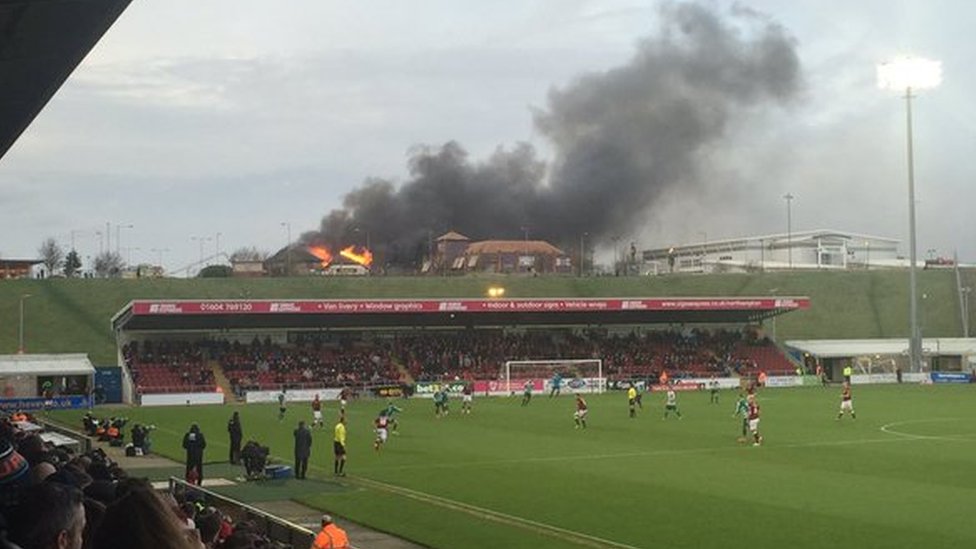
{"x": 140, "y": 518}
{"x": 330, "y": 536}
{"x": 208, "y": 523}
{"x": 303, "y": 449}
{"x": 236, "y": 434}
{"x": 50, "y": 515}
{"x": 194, "y": 443}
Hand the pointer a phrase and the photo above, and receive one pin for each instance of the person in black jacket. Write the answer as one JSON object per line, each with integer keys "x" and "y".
{"x": 303, "y": 448}
{"x": 236, "y": 434}
{"x": 194, "y": 443}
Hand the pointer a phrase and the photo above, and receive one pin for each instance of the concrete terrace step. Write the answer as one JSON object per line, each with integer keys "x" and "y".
{"x": 361, "y": 536}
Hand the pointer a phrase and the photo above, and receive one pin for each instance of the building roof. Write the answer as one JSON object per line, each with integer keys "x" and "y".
{"x": 775, "y": 240}
{"x": 452, "y": 236}
{"x": 531, "y": 247}
{"x": 840, "y": 348}
{"x": 19, "y": 262}
{"x": 41, "y": 43}
{"x": 299, "y": 254}
{"x": 46, "y": 365}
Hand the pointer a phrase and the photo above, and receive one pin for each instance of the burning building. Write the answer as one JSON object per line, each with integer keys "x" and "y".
{"x": 299, "y": 259}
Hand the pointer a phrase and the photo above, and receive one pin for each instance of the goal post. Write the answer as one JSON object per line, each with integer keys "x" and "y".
{"x": 583, "y": 375}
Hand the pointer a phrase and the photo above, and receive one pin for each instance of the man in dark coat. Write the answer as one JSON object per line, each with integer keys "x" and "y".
{"x": 236, "y": 434}
{"x": 194, "y": 443}
{"x": 303, "y": 448}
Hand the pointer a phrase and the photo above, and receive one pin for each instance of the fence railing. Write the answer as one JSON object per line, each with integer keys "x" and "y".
{"x": 276, "y": 528}
{"x": 84, "y": 443}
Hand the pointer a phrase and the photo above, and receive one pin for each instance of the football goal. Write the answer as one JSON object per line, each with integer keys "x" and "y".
{"x": 578, "y": 375}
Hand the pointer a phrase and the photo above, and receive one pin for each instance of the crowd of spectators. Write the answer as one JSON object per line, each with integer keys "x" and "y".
{"x": 53, "y": 497}
{"x": 369, "y": 359}
{"x": 482, "y": 354}
{"x": 268, "y": 365}
{"x": 168, "y": 365}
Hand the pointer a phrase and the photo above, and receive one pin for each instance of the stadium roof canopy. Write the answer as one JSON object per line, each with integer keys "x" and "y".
{"x": 45, "y": 365}
{"x": 186, "y": 315}
{"x": 843, "y": 348}
{"x": 41, "y": 43}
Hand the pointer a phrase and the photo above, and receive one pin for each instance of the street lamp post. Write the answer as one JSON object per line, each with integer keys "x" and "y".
{"x": 287, "y": 227}
{"x": 762, "y": 255}
{"x": 365, "y": 234}
{"x": 118, "y": 236}
{"x": 704, "y": 246}
{"x": 906, "y": 74}
{"x": 582, "y": 250}
{"x": 200, "y": 240}
{"x": 159, "y": 255}
{"x": 616, "y": 258}
{"x": 789, "y": 227}
{"x": 128, "y": 254}
{"x": 20, "y": 339}
{"x": 217, "y": 246}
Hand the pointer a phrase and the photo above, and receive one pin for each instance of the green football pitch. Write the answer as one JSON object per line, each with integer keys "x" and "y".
{"x": 901, "y": 475}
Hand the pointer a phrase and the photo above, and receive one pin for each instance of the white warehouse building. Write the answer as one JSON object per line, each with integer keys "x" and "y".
{"x": 801, "y": 250}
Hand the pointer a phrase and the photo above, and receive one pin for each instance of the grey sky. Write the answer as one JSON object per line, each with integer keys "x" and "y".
{"x": 192, "y": 118}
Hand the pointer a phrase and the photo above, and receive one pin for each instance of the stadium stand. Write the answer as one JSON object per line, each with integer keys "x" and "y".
{"x": 368, "y": 359}
{"x": 168, "y": 367}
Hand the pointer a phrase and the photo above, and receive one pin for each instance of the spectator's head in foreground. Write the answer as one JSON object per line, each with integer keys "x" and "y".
{"x": 50, "y": 516}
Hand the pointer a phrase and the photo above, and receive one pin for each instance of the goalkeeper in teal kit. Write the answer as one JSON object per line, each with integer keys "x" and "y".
{"x": 557, "y": 383}
{"x": 742, "y": 409}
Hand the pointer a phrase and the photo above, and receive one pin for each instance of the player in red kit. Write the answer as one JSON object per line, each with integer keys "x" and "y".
{"x": 466, "y": 398}
{"x": 846, "y": 402}
{"x": 381, "y": 423}
{"x": 754, "y": 420}
{"x": 317, "y": 412}
{"x": 580, "y": 415}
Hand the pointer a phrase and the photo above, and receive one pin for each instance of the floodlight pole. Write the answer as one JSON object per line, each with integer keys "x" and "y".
{"x": 287, "y": 226}
{"x": 789, "y": 227}
{"x": 914, "y": 340}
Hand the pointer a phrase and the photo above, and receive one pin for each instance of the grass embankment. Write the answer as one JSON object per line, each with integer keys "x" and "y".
{"x": 73, "y": 315}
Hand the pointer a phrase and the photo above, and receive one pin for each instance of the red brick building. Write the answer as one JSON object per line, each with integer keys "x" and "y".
{"x": 17, "y": 268}
{"x": 455, "y": 253}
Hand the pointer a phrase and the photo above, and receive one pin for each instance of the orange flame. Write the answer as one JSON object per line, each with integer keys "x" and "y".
{"x": 365, "y": 258}
{"x": 323, "y": 253}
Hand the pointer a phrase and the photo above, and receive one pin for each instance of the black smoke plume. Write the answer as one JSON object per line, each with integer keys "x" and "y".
{"x": 622, "y": 137}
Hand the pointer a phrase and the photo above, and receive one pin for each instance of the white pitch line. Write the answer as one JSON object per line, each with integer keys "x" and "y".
{"x": 887, "y": 428}
{"x": 579, "y": 538}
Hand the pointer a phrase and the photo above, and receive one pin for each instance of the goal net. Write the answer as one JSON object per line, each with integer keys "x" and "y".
{"x": 575, "y": 375}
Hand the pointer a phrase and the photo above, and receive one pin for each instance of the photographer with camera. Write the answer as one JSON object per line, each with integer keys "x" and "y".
{"x": 140, "y": 437}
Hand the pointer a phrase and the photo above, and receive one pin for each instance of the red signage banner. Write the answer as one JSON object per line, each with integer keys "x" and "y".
{"x": 355, "y": 306}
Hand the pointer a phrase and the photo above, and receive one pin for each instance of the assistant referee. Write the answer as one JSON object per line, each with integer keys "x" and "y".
{"x": 339, "y": 447}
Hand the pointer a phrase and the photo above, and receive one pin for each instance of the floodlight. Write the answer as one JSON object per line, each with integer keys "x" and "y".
{"x": 904, "y": 72}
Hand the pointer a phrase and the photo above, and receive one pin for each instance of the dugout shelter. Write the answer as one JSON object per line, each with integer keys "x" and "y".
{"x": 30, "y": 376}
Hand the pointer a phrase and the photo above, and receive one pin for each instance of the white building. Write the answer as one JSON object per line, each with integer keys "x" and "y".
{"x": 817, "y": 249}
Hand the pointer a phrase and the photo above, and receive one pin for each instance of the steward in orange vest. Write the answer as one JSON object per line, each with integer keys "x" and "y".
{"x": 331, "y": 536}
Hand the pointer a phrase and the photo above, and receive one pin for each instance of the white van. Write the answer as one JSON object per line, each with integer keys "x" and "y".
{"x": 345, "y": 270}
